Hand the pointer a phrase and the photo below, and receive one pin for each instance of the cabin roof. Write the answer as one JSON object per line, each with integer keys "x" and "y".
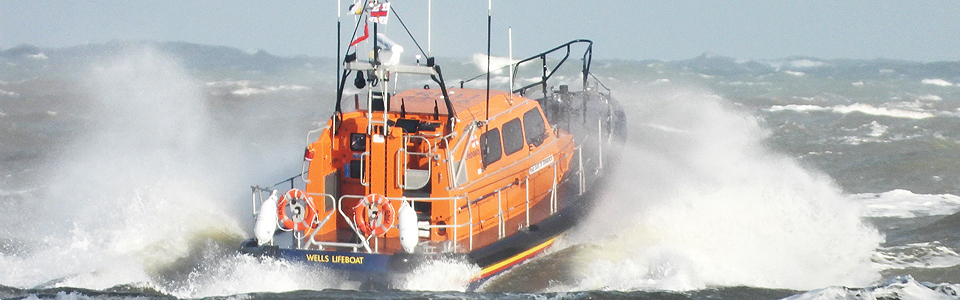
{"x": 468, "y": 104}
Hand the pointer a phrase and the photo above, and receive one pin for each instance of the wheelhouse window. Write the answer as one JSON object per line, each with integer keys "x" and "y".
{"x": 490, "y": 149}
{"x": 534, "y": 127}
{"x": 512, "y": 136}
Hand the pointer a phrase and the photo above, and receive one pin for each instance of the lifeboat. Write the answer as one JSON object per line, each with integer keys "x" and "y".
{"x": 396, "y": 178}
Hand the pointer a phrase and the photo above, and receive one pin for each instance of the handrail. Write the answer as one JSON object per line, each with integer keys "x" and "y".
{"x": 455, "y": 167}
{"x": 585, "y": 69}
{"x": 303, "y": 168}
{"x": 363, "y": 168}
{"x": 403, "y": 166}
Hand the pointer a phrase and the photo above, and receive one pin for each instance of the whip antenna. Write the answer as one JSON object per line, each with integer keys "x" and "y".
{"x": 429, "y": 24}
{"x": 338, "y": 46}
{"x": 510, "y": 66}
{"x": 489, "y": 21}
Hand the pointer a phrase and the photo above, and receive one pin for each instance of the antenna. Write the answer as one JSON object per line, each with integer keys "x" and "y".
{"x": 338, "y": 47}
{"x": 489, "y": 22}
{"x": 429, "y": 24}
{"x": 510, "y": 68}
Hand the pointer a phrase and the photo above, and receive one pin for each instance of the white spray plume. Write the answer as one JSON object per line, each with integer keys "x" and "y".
{"x": 148, "y": 193}
{"x": 699, "y": 201}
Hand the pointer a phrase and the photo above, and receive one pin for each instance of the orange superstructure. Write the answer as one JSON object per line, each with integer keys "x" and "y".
{"x": 465, "y": 195}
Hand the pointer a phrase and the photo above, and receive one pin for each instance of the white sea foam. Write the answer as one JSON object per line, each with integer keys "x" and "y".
{"x": 706, "y": 204}
{"x": 796, "y": 107}
{"x": 440, "y": 275}
{"x": 918, "y": 255}
{"x": 881, "y": 111}
{"x": 897, "y": 288}
{"x": 936, "y": 81}
{"x": 877, "y": 129}
{"x": 906, "y": 204}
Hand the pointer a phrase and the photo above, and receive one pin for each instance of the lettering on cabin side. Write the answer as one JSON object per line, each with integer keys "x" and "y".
{"x": 542, "y": 164}
{"x": 335, "y": 259}
{"x": 473, "y": 153}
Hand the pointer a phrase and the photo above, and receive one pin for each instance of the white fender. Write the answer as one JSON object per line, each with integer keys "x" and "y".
{"x": 407, "y": 225}
{"x": 266, "y": 220}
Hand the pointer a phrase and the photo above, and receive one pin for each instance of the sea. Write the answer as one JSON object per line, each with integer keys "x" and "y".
{"x": 125, "y": 173}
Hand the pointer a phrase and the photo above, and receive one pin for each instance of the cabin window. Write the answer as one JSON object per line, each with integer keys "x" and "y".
{"x": 534, "y": 127}
{"x": 512, "y": 136}
{"x": 490, "y": 146}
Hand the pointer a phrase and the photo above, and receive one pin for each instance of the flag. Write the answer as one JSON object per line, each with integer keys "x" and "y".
{"x": 356, "y": 8}
{"x": 379, "y": 13}
{"x": 366, "y": 34}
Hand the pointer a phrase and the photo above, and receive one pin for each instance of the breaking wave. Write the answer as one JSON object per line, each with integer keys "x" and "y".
{"x": 859, "y": 108}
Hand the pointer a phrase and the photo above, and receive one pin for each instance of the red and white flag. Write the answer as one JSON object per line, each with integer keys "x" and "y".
{"x": 379, "y": 13}
{"x": 366, "y": 34}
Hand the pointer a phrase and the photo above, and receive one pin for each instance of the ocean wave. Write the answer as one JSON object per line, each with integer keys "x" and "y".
{"x": 9, "y": 94}
{"x": 906, "y": 204}
{"x": 795, "y": 73}
{"x": 249, "y": 88}
{"x": 917, "y": 255}
{"x": 936, "y": 81}
{"x": 806, "y": 63}
{"x": 497, "y": 64}
{"x": 903, "y": 287}
{"x": 856, "y": 107}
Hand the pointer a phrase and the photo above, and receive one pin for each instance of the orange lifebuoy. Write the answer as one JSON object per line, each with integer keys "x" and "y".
{"x": 302, "y": 214}
{"x": 374, "y": 215}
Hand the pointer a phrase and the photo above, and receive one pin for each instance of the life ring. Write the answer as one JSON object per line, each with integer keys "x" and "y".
{"x": 374, "y": 215}
{"x": 302, "y": 214}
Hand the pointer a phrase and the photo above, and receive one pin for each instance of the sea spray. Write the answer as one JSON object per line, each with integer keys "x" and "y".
{"x": 447, "y": 274}
{"x": 700, "y": 201}
{"x": 142, "y": 189}
{"x": 220, "y": 271}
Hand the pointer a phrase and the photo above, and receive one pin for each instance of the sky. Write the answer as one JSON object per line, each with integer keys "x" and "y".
{"x": 926, "y": 30}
